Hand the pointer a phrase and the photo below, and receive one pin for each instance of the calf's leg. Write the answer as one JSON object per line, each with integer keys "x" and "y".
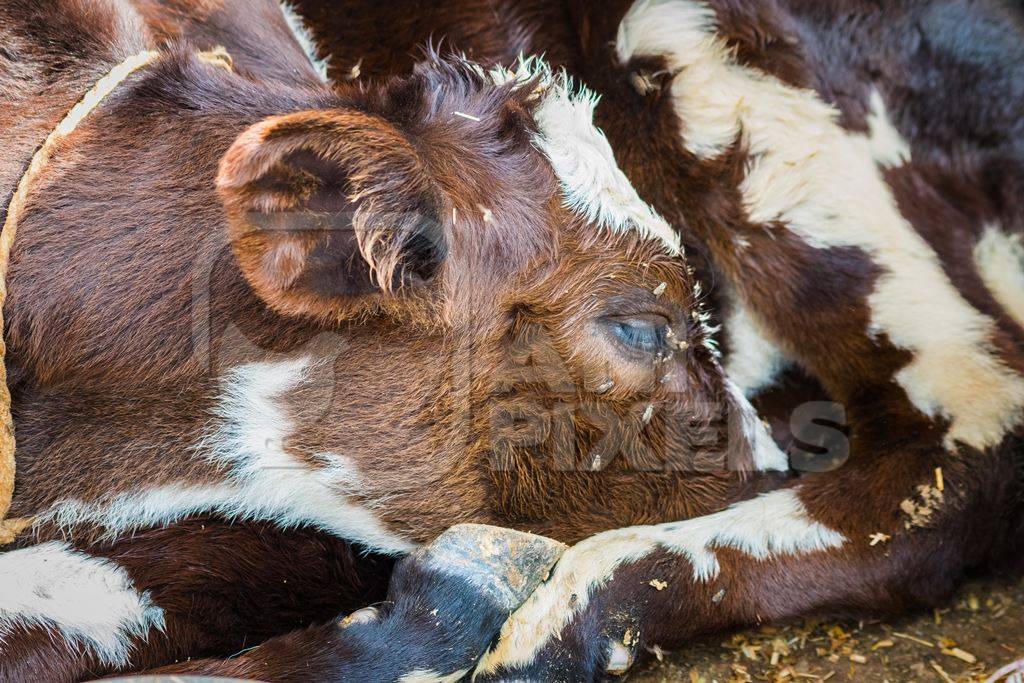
{"x": 81, "y": 609}
{"x": 445, "y": 606}
{"x": 209, "y": 589}
{"x": 874, "y": 537}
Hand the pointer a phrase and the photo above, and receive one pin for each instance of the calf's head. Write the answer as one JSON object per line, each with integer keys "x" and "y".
{"x": 480, "y": 319}
{"x": 517, "y": 328}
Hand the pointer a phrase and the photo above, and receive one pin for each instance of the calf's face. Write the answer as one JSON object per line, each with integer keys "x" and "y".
{"x": 550, "y": 343}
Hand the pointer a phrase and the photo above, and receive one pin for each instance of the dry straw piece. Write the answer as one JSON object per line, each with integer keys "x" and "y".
{"x": 10, "y": 528}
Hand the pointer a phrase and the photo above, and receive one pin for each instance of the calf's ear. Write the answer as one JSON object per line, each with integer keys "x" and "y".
{"x": 329, "y": 211}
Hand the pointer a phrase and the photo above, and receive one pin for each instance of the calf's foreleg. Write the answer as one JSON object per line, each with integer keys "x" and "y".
{"x": 871, "y": 538}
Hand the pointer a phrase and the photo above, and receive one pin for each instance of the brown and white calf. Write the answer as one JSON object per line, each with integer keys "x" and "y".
{"x": 264, "y": 336}
{"x": 850, "y": 174}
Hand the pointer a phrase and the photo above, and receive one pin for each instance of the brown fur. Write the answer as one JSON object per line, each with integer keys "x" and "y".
{"x": 84, "y": 348}
{"x": 494, "y": 291}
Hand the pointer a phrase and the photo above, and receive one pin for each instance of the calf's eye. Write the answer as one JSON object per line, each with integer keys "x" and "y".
{"x": 641, "y": 332}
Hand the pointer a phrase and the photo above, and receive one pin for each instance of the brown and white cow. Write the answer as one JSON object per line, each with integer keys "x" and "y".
{"x": 850, "y": 174}
{"x": 265, "y": 335}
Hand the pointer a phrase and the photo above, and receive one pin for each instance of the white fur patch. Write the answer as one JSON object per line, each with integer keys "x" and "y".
{"x": 265, "y": 482}
{"x": 808, "y": 173}
{"x": 682, "y": 32}
{"x": 766, "y": 453}
{"x": 754, "y": 362}
{"x": 305, "y": 38}
{"x": 999, "y": 258}
{"x": 592, "y": 182}
{"x": 89, "y": 601}
{"x": 888, "y": 148}
{"x": 427, "y": 676}
{"x": 772, "y": 525}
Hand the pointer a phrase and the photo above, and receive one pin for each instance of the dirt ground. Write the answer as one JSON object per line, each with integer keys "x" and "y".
{"x": 967, "y": 641}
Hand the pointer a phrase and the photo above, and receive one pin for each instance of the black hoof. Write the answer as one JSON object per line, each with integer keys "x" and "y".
{"x": 446, "y": 604}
